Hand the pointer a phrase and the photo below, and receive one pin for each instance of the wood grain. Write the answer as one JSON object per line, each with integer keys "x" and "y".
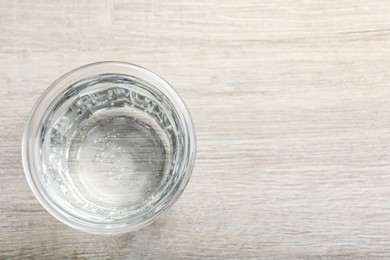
{"x": 291, "y": 102}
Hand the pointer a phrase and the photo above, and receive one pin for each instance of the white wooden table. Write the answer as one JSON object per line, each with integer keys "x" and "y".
{"x": 291, "y": 101}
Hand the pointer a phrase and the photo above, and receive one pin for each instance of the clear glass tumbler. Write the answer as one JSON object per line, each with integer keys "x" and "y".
{"x": 109, "y": 147}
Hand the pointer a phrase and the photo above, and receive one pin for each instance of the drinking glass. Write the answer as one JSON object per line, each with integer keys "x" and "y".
{"x": 109, "y": 147}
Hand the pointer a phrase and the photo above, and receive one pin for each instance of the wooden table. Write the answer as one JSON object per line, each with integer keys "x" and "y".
{"x": 291, "y": 102}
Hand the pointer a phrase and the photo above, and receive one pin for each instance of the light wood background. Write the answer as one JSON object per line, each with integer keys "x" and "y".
{"x": 291, "y": 101}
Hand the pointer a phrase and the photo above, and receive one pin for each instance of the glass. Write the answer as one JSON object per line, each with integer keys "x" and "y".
{"x": 109, "y": 147}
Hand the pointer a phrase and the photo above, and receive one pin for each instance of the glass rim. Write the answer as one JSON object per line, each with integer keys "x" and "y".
{"x": 29, "y": 156}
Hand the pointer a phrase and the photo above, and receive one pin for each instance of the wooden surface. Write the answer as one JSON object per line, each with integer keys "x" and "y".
{"x": 291, "y": 101}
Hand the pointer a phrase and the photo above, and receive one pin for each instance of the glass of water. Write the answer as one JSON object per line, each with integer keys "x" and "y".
{"x": 109, "y": 147}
